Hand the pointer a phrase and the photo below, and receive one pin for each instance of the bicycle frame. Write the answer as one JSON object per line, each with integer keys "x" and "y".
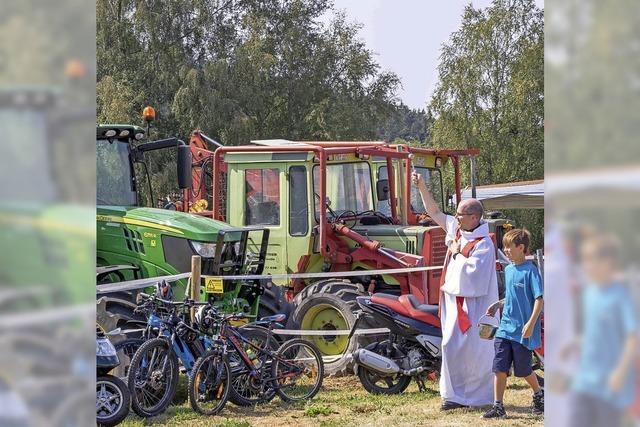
{"x": 182, "y": 349}
{"x": 230, "y": 334}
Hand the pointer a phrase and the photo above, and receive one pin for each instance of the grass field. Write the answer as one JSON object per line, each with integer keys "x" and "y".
{"x": 343, "y": 402}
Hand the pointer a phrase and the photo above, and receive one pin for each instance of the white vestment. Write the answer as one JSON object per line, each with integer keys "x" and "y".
{"x": 466, "y": 375}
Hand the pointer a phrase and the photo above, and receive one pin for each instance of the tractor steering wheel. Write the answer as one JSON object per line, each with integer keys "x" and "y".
{"x": 378, "y": 214}
{"x": 347, "y": 214}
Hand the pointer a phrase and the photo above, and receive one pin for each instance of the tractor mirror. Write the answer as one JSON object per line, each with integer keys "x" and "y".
{"x": 449, "y": 201}
{"x": 382, "y": 188}
{"x": 184, "y": 167}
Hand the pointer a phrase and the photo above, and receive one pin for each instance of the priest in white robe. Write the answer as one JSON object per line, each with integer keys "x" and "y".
{"x": 469, "y": 288}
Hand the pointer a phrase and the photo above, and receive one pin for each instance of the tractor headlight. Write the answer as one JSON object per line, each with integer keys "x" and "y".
{"x": 205, "y": 250}
{"x": 105, "y": 348}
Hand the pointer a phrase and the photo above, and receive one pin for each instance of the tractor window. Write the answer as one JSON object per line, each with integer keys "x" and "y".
{"x": 298, "y": 207}
{"x": 113, "y": 173}
{"x": 348, "y": 187}
{"x": 262, "y": 197}
{"x": 433, "y": 180}
{"x": 26, "y": 170}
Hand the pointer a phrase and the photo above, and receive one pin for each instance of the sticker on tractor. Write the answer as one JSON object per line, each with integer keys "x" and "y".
{"x": 213, "y": 285}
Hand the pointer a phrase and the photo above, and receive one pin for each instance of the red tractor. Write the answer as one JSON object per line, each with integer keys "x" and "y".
{"x": 324, "y": 203}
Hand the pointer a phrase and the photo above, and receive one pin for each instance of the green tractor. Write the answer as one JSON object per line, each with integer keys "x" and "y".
{"x": 135, "y": 241}
{"x": 57, "y": 238}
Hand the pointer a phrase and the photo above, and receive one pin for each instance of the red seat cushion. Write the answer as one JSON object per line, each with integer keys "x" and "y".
{"x": 390, "y": 301}
{"x": 414, "y": 313}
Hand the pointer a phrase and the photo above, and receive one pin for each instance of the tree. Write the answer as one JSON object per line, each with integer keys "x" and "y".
{"x": 490, "y": 94}
{"x": 240, "y": 70}
{"x": 407, "y": 124}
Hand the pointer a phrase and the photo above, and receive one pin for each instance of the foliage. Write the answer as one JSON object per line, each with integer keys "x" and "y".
{"x": 239, "y": 70}
{"x": 490, "y": 94}
{"x": 407, "y": 124}
{"x": 592, "y": 83}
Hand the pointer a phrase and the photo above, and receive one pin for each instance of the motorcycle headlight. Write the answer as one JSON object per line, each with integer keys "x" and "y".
{"x": 205, "y": 250}
{"x": 105, "y": 348}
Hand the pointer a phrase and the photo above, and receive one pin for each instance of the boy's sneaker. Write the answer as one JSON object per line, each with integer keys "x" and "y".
{"x": 538, "y": 403}
{"x": 497, "y": 411}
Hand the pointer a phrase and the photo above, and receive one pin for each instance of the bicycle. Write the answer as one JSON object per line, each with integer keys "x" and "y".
{"x": 153, "y": 372}
{"x": 294, "y": 371}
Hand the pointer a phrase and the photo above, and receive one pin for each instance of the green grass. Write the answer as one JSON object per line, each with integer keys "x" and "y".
{"x": 343, "y": 402}
{"x": 315, "y": 410}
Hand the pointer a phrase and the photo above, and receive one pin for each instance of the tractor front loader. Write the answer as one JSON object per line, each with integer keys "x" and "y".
{"x": 318, "y": 201}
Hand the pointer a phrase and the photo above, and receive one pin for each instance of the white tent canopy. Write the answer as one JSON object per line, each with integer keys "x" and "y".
{"x": 515, "y": 195}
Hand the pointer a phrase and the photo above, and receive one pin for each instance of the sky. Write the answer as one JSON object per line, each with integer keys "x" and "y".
{"x": 406, "y": 36}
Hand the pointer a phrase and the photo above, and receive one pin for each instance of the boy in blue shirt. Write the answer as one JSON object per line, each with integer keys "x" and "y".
{"x": 606, "y": 385}
{"x": 519, "y": 331}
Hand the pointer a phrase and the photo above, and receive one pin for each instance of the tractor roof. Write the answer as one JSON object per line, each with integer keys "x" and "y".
{"x": 287, "y": 143}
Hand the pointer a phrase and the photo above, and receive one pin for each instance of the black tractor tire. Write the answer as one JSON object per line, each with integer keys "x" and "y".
{"x": 273, "y": 301}
{"x": 125, "y": 350}
{"x": 339, "y": 295}
{"x": 116, "y": 311}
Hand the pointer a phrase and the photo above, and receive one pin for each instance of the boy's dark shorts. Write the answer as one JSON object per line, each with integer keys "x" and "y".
{"x": 510, "y": 352}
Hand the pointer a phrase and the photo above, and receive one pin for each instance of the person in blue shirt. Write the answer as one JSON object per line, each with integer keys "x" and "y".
{"x": 604, "y": 387}
{"x": 519, "y": 331}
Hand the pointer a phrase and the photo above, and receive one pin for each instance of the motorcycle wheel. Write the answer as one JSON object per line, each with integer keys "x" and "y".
{"x": 376, "y": 383}
{"x": 112, "y": 400}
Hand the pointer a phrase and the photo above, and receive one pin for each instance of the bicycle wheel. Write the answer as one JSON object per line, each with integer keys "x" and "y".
{"x": 245, "y": 389}
{"x": 297, "y": 370}
{"x": 209, "y": 383}
{"x": 153, "y": 377}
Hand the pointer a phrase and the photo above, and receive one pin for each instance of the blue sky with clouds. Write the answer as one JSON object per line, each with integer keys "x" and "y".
{"x": 406, "y": 36}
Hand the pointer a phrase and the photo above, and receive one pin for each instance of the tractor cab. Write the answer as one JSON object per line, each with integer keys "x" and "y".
{"x": 57, "y": 236}
{"x": 150, "y": 242}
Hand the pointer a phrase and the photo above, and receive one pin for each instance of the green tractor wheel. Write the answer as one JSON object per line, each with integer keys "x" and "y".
{"x": 329, "y": 306}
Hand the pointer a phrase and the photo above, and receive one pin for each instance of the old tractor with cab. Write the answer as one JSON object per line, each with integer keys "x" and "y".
{"x": 324, "y": 204}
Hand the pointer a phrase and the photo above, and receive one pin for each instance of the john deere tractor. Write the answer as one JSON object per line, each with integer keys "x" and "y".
{"x": 45, "y": 244}
{"x": 135, "y": 241}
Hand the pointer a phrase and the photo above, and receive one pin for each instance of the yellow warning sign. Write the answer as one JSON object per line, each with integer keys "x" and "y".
{"x": 213, "y": 285}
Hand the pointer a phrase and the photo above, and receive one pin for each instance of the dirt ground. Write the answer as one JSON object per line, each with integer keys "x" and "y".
{"x": 343, "y": 402}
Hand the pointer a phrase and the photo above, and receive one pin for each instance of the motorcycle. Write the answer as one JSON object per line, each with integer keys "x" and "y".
{"x": 112, "y": 395}
{"x": 411, "y": 351}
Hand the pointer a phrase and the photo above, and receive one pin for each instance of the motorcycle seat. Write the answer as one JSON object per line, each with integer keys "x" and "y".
{"x": 407, "y": 305}
{"x": 276, "y": 318}
{"x": 425, "y": 308}
{"x": 390, "y": 301}
{"x": 422, "y": 312}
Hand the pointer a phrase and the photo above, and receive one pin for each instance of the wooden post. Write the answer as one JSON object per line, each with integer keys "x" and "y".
{"x": 195, "y": 283}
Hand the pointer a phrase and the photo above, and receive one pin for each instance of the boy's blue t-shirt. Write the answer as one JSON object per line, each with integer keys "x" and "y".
{"x": 523, "y": 286}
{"x": 608, "y": 321}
